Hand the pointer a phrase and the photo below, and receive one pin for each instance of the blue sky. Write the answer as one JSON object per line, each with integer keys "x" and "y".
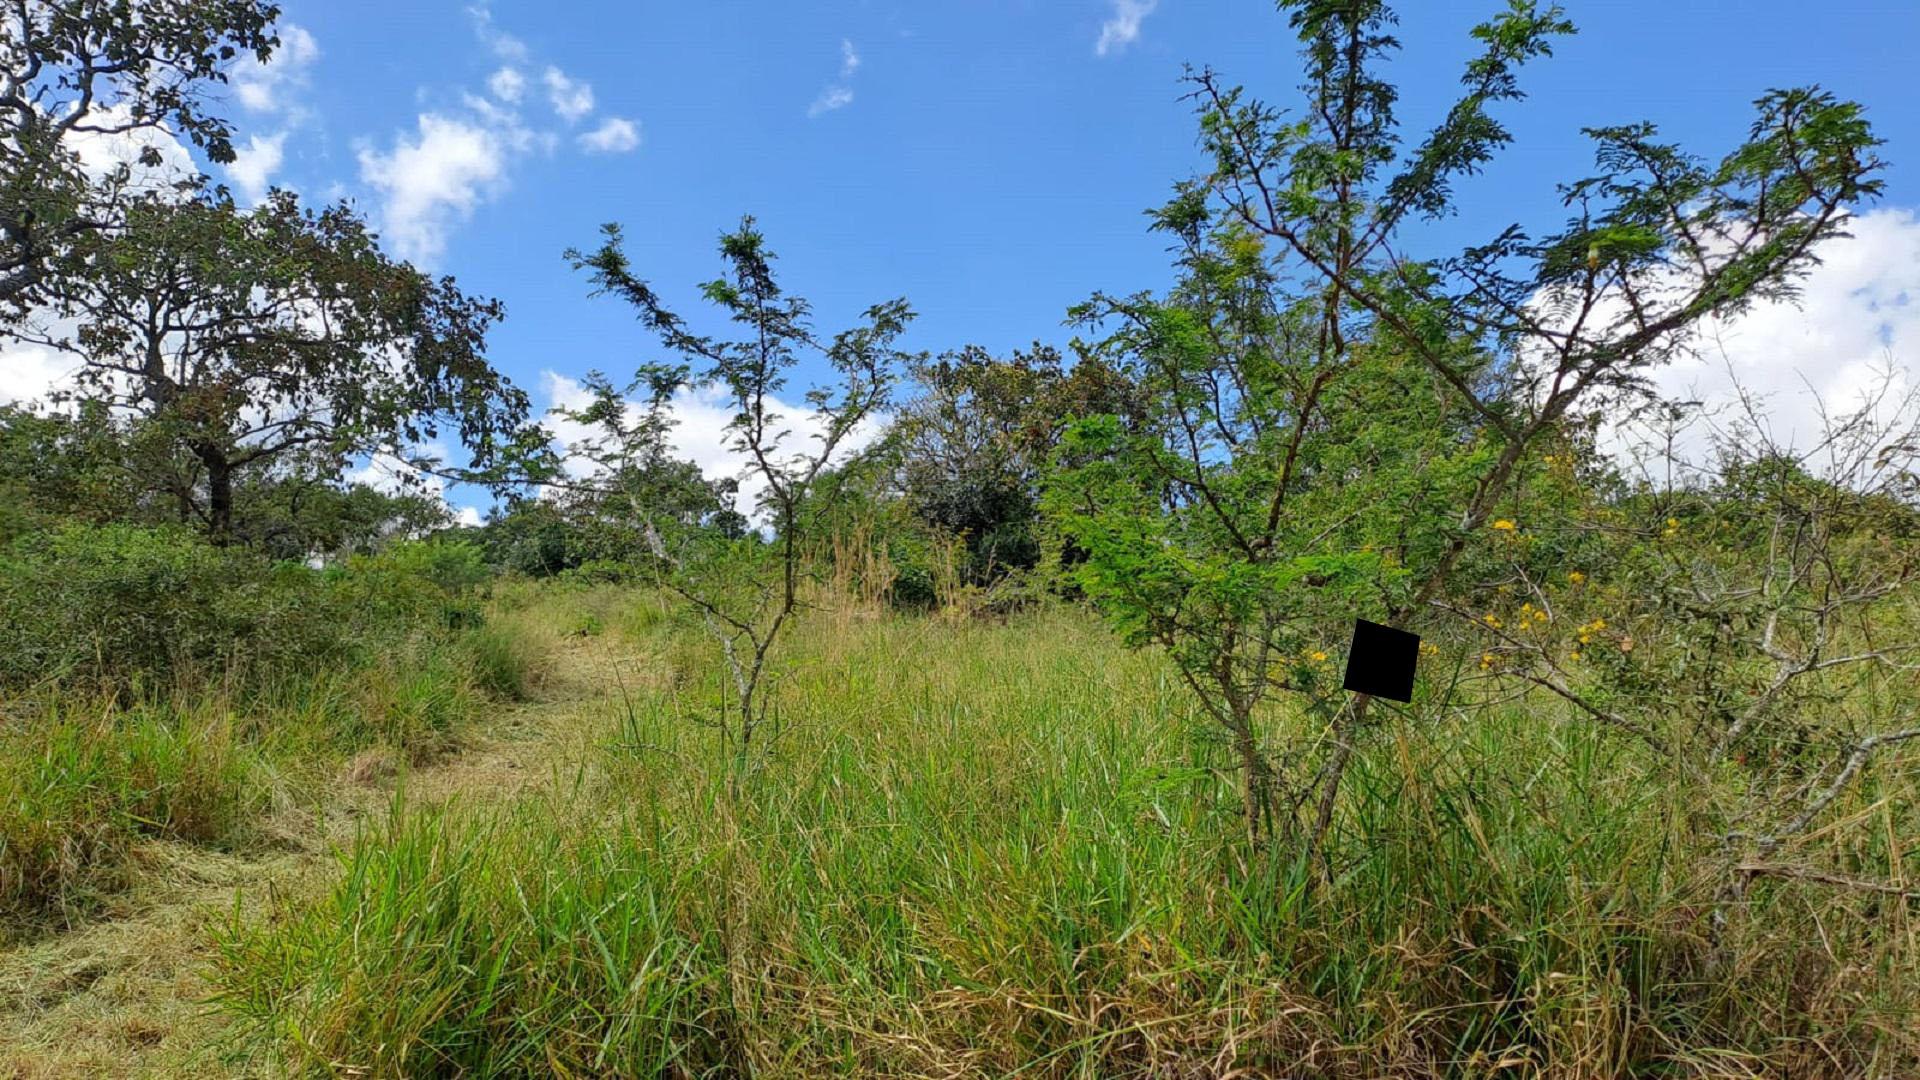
{"x": 987, "y": 159}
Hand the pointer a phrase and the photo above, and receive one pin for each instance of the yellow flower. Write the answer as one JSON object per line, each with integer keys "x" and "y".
{"x": 1504, "y": 525}
{"x": 1673, "y": 523}
{"x": 1491, "y": 620}
{"x": 1576, "y": 654}
{"x": 1318, "y": 656}
{"x": 1576, "y": 577}
{"x": 1486, "y": 661}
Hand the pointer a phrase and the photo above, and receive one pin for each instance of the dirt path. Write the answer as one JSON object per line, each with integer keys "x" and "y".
{"x": 124, "y": 995}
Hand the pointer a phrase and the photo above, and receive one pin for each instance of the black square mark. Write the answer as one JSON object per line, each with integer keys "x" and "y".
{"x": 1381, "y": 661}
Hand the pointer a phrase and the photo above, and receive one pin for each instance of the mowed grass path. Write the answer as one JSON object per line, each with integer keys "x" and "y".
{"x": 126, "y": 994}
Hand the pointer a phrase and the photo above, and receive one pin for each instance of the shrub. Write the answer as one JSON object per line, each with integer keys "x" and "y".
{"x": 121, "y": 606}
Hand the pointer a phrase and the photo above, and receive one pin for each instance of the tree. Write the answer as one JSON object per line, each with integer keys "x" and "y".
{"x": 746, "y": 588}
{"x": 973, "y": 446}
{"x": 1297, "y": 283}
{"x": 109, "y": 69}
{"x": 1263, "y": 496}
{"x": 80, "y": 466}
{"x": 241, "y": 337}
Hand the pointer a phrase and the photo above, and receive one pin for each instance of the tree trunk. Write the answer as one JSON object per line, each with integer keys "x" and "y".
{"x": 219, "y": 496}
{"x": 1257, "y": 782}
{"x": 1343, "y": 734}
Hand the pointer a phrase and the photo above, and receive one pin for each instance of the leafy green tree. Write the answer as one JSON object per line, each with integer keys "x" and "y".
{"x": 1264, "y": 497}
{"x": 747, "y": 589}
{"x": 299, "y": 513}
{"x": 102, "y": 68}
{"x": 973, "y": 447}
{"x": 246, "y": 337}
{"x": 58, "y": 466}
{"x": 1297, "y": 292}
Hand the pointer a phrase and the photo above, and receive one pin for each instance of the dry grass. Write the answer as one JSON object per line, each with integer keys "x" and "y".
{"x": 123, "y": 992}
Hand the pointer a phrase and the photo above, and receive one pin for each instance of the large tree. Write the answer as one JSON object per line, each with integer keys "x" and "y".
{"x": 242, "y": 337}
{"x": 113, "y": 69}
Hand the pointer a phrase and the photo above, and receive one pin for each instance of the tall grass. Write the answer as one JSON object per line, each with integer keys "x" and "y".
{"x": 988, "y": 850}
{"x": 79, "y": 786}
{"x": 87, "y": 774}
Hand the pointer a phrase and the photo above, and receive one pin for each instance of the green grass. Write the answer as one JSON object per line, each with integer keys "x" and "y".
{"x": 84, "y": 779}
{"x": 985, "y": 850}
{"x": 80, "y": 785}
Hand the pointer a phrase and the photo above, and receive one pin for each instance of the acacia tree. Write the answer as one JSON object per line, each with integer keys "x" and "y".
{"x": 243, "y": 337}
{"x": 1754, "y": 618}
{"x": 747, "y": 589}
{"x": 107, "y": 69}
{"x": 1303, "y": 276}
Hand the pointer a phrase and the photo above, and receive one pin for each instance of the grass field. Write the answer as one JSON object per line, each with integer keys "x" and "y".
{"x": 1009, "y": 849}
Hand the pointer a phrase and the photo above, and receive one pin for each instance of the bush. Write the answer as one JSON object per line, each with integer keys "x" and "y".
{"x": 123, "y": 607}
{"x": 436, "y": 582}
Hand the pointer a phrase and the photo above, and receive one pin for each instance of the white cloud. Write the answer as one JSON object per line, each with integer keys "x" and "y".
{"x": 255, "y": 163}
{"x": 261, "y": 87}
{"x": 507, "y": 84}
{"x": 499, "y": 42}
{"x": 839, "y": 93}
{"x": 101, "y": 152}
{"x": 613, "y": 136}
{"x": 569, "y": 97}
{"x": 28, "y": 373}
{"x": 430, "y": 181}
{"x": 1122, "y": 28}
{"x": 833, "y": 97}
{"x": 506, "y": 125}
{"x": 1854, "y": 330}
{"x": 461, "y": 156}
{"x": 700, "y": 418}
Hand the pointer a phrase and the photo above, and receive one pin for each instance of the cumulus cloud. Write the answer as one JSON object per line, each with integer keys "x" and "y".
{"x": 255, "y": 163}
{"x": 1122, "y": 28}
{"x": 839, "y": 93}
{"x": 507, "y": 84}
{"x": 571, "y": 98}
{"x": 271, "y": 89}
{"x": 613, "y": 136}
{"x": 1853, "y": 336}
{"x": 262, "y": 88}
{"x": 101, "y": 152}
{"x": 433, "y": 179}
{"x": 700, "y": 417}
